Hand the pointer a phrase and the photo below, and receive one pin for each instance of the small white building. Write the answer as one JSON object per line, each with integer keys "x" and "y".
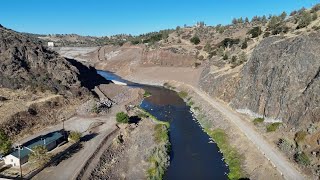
{"x": 50, "y": 44}
{"x": 50, "y": 141}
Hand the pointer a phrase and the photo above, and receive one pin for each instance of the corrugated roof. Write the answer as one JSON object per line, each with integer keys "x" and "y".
{"x": 49, "y": 138}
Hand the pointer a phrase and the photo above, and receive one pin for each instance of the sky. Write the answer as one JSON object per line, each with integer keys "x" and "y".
{"x": 109, "y": 17}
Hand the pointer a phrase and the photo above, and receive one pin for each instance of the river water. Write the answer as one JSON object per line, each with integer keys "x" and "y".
{"x": 192, "y": 156}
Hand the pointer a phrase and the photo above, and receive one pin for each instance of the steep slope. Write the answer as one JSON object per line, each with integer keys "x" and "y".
{"x": 24, "y": 63}
{"x": 282, "y": 80}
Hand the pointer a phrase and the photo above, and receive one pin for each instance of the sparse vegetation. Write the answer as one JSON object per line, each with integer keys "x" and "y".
{"x": 232, "y": 158}
{"x": 122, "y": 117}
{"x": 161, "y": 133}
{"x": 95, "y": 109}
{"x": 147, "y": 114}
{"x": 190, "y": 103}
{"x": 74, "y": 136}
{"x": 159, "y": 159}
{"x": 257, "y": 121}
{"x": 300, "y": 136}
{"x": 285, "y": 145}
{"x": 5, "y": 143}
{"x": 146, "y": 94}
{"x": 183, "y": 94}
{"x": 242, "y": 57}
{"x": 207, "y": 48}
{"x": 304, "y": 19}
{"x": 273, "y": 126}
{"x": 302, "y": 159}
{"x": 225, "y": 56}
{"x": 39, "y": 155}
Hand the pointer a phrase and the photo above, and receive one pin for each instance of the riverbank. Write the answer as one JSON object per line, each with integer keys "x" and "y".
{"x": 255, "y": 165}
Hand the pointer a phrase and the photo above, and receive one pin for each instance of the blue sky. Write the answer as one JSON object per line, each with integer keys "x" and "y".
{"x": 108, "y": 17}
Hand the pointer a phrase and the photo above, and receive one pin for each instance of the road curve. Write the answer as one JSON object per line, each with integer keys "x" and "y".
{"x": 283, "y": 166}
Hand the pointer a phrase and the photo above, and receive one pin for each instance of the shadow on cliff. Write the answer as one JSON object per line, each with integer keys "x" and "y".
{"x": 88, "y": 75}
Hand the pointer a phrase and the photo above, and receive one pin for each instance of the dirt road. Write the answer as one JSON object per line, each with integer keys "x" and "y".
{"x": 69, "y": 168}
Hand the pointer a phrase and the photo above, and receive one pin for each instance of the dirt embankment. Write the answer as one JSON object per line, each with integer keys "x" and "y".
{"x": 24, "y": 112}
{"x": 127, "y": 157}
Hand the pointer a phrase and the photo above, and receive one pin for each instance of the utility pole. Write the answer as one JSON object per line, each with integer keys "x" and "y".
{"x": 19, "y": 149}
{"x": 63, "y": 124}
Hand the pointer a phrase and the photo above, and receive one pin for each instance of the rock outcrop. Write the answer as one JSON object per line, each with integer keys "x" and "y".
{"x": 281, "y": 81}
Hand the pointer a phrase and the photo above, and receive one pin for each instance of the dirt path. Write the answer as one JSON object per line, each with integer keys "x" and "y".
{"x": 275, "y": 157}
{"x": 68, "y": 169}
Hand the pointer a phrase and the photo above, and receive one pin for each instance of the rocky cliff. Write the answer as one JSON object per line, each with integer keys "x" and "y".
{"x": 27, "y": 64}
{"x": 281, "y": 80}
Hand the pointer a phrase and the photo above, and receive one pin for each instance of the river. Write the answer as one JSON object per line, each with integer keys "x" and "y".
{"x": 191, "y": 156}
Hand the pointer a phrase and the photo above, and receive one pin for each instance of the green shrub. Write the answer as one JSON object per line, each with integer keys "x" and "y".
{"x": 95, "y": 109}
{"x": 273, "y": 126}
{"x": 228, "y": 42}
{"x": 234, "y": 59}
{"x": 5, "y": 143}
{"x": 266, "y": 34}
{"x": 122, "y": 117}
{"x": 196, "y": 64}
{"x": 304, "y": 19}
{"x": 302, "y": 158}
{"x": 225, "y": 57}
{"x": 285, "y": 145}
{"x": 207, "y": 48}
{"x": 39, "y": 155}
{"x": 257, "y": 121}
{"x": 280, "y": 29}
{"x": 274, "y": 22}
{"x": 283, "y": 15}
{"x": 255, "y": 31}
{"x": 242, "y": 57}
{"x": 244, "y": 45}
{"x": 195, "y": 40}
{"x": 146, "y": 94}
{"x": 315, "y": 8}
{"x": 314, "y": 16}
{"x": 75, "y": 136}
{"x": 190, "y": 103}
{"x": 183, "y": 94}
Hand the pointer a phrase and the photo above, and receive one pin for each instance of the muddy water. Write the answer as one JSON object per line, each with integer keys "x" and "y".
{"x": 192, "y": 156}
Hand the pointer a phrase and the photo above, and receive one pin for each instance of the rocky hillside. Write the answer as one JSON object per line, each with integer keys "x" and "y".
{"x": 27, "y": 64}
{"x": 282, "y": 79}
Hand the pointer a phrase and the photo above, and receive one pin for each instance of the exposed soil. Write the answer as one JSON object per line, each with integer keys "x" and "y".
{"x": 127, "y": 157}
{"x": 24, "y": 112}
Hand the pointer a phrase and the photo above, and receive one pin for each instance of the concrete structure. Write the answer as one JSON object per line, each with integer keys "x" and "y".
{"x": 50, "y": 141}
{"x": 50, "y": 44}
